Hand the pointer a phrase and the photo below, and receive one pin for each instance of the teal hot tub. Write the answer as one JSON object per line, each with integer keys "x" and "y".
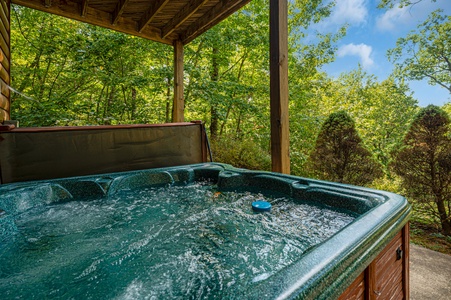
{"x": 190, "y": 232}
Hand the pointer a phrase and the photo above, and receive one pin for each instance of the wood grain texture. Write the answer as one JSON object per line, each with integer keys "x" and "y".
{"x": 4, "y": 115}
{"x": 5, "y": 60}
{"x": 4, "y": 89}
{"x": 386, "y": 277}
{"x": 356, "y": 290}
{"x": 278, "y": 36}
{"x": 178, "y": 107}
{"x": 163, "y": 21}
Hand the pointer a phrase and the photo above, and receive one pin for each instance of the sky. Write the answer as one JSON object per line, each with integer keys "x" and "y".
{"x": 372, "y": 32}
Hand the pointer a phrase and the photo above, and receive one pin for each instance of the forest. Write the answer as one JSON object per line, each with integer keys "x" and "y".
{"x": 352, "y": 129}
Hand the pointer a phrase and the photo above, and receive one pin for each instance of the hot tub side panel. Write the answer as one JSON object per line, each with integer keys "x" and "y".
{"x": 387, "y": 276}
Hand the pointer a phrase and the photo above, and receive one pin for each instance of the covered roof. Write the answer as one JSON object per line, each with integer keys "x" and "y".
{"x": 163, "y": 21}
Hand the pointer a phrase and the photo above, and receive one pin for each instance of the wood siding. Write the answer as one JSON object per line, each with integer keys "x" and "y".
{"x": 356, "y": 290}
{"x": 387, "y": 276}
{"x": 5, "y": 57}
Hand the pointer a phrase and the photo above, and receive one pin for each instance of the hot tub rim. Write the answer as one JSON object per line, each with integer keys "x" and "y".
{"x": 387, "y": 218}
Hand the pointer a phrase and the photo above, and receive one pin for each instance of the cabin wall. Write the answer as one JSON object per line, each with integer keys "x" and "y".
{"x": 5, "y": 58}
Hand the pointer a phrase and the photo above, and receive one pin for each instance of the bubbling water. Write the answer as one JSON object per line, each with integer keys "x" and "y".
{"x": 153, "y": 243}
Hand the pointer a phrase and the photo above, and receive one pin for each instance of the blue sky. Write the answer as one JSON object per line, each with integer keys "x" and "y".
{"x": 372, "y": 32}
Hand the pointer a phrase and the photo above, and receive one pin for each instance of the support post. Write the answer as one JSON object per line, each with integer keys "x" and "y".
{"x": 178, "y": 107}
{"x": 278, "y": 36}
{"x": 5, "y": 59}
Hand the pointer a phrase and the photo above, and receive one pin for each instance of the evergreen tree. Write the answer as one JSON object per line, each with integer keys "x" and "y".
{"x": 424, "y": 164}
{"x": 339, "y": 154}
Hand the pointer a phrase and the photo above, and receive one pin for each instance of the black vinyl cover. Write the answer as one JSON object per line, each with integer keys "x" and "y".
{"x": 58, "y": 152}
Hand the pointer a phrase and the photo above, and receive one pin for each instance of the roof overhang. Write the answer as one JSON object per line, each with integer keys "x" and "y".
{"x": 163, "y": 21}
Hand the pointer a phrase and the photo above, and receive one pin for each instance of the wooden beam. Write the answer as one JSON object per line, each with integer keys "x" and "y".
{"x": 215, "y": 15}
{"x": 93, "y": 16}
{"x": 178, "y": 107}
{"x": 184, "y": 14}
{"x": 5, "y": 50}
{"x": 118, "y": 11}
{"x": 84, "y": 6}
{"x": 278, "y": 35}
{"x": 154, "y": 9}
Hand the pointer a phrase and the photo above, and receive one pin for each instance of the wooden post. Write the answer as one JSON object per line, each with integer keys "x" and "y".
{"x": 5, "y": 56}
{"x": 278, "y": 36}
{"x": 178, "y": 107}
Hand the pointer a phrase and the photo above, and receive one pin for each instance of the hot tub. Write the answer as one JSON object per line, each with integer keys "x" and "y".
{"x": 190, "y": 232}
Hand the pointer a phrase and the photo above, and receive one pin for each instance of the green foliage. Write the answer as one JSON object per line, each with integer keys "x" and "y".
{"x": 339, "y": 154}
{"x": 375, "y": 106}
{"x": 447, "y": 108}
{"x": 424, "y": 164}
{"x": 427, "y": 53}
{"x": 70, "y": 73}
{"x": 400, "y": 3}
{"x": 391, "y": 184}
{"x": 241, "y": 153}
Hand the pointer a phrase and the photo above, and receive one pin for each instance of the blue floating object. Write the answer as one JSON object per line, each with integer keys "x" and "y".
{"x": 261, "y": 205}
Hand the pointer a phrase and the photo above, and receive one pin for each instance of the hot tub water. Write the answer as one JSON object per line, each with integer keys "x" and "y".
{"x": 189, "y": 241}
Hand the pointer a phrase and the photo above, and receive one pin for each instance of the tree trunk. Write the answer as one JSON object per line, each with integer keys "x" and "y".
{"x": 213, "y": 109}
{"x": 225, "y": 120}
{"x": 133, "y": 108}
{"x": 168, "y": 116}
{"x": 108, "y": 103}
{"x": 444, "y": 218}
{"x": 240, "y": 72}
{"x": 238, "y": 126}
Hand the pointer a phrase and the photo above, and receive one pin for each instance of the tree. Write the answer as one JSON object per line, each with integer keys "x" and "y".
{"x": 374, "y": 106}
{"x": 339, "y": 154}
{"x": 72, "y": 73}
{"x": 447, "y": 108}
{"x": 424, "y": 164}
{"x": 400, "y": 3}
{"x": 426, "y": 54}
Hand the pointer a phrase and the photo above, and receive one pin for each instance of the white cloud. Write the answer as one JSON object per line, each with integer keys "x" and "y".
{"x": 361, "y": 50}
{"x": 391, "y": 19}
{"x": 406, "y": 17}
{"x": 353, "y": 12}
